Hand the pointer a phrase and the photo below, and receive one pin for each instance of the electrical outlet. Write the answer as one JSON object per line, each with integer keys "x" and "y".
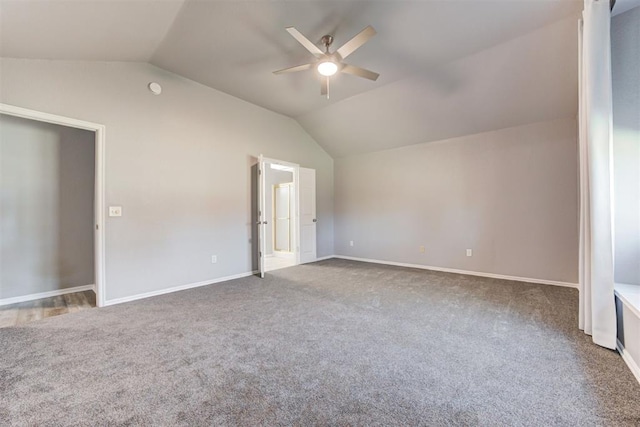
{"x": 421, "y": 249}
{"x": 214, "y": 259}
{"x": 115, "y": 210}
{"x": 350, "y": 242}
{"x": 469, "y": 252}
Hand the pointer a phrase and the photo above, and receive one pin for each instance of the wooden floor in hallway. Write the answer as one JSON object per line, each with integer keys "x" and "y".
{"x": 24, "y": 312}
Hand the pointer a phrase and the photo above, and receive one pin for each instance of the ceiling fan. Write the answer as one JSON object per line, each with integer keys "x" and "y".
{"x": 328, "y": 64}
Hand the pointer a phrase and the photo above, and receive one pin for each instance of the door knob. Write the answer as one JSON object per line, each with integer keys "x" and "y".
{"x": 315, "y": 220}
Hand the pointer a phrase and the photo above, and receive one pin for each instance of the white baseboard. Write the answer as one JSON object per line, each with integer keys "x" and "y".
{"x": 49, "y": 294}
{"x": 324, "y": 257}
{"x": 467, "y": 272}
{"x": 635, "y": 369}
{"x": 176, "y": 288}
{"x": 423, "y": 267}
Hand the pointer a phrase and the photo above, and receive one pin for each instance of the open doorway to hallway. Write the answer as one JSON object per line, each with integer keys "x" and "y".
{"x": 280, "y": 209}
{"x": 287, "y": 231}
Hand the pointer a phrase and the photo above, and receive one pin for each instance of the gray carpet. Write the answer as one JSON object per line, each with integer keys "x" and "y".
{"x": 331, "y": 343}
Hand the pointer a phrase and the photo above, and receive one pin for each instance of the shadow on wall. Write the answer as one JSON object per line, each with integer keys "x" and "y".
{"x": 47, "y": 207}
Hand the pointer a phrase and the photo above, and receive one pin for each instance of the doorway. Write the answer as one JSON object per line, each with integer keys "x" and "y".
{"x": 285, "y": 215}
{"x": 280, "y": 209}
{"x": 59, "y": 249}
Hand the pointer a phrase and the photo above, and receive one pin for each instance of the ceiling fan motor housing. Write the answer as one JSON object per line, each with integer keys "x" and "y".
{"x": 326, "y": 41}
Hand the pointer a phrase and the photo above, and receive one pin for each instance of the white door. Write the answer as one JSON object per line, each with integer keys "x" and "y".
{"x": 262, "y": 219}
{"x": 307, "y": 215}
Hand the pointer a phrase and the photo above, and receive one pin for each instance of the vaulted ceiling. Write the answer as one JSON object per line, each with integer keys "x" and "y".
{"x": 448, "y": 67}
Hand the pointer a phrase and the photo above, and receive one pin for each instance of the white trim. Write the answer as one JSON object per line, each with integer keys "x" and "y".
{"x": 279, "y": 162}
{"x": 298, "y": 224}
{"x": 48, "y": 294}
{"x": 262, "y": 206}
{"x": 178, "y": 288}
{"x": 633, "y": 366}
{"x": 100, "y": 177}
{"x": 622, "y": 292}
{"x": 467, "y": 272}
{"x": 322, "y": 258}
{"x": 26, "y": 113}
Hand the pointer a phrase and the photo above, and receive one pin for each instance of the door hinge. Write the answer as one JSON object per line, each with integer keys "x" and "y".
{"x": 97, "y": 228}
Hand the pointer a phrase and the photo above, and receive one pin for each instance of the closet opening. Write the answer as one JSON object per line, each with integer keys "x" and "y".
{"x": 50, "y": 227}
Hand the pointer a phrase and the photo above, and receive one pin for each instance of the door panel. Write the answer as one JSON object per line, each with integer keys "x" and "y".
{"x": 262, "y": 222}
{"x": 307, "y": 215}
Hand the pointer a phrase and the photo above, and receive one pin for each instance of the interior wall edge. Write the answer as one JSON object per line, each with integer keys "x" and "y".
{"x": 464, "y": 136}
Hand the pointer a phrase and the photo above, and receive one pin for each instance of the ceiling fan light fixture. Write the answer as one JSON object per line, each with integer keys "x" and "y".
{"x": 328, "y": 64}
{"x": 327, "y": 68}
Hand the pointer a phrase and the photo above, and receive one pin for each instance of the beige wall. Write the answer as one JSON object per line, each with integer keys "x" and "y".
{"x": 510, "y": 195}
{"x": 179, "y": 164}
{"x": 625, "y": 58}
{"x": 46, "y": 207}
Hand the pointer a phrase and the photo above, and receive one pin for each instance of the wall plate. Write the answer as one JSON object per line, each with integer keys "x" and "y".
{"x": 115, "y": 210}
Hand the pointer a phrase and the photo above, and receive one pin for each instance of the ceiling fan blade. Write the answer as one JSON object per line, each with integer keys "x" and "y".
{"x": 358, "y": 40}
{"x": 294, "y": 69}
{"x": 315, "y": 50}
{"x": 360, "y": 72}
{"x": 324, "y": 87}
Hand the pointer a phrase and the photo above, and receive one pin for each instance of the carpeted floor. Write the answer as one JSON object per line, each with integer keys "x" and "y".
{"x": 331, "y": 343}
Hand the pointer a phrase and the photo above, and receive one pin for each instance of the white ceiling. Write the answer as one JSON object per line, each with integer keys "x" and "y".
{"x": 87, "y": 30}
{"x": 427, "y": 53}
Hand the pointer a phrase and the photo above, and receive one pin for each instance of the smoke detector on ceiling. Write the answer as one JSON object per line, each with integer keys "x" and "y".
{"x": 155, "y": 88}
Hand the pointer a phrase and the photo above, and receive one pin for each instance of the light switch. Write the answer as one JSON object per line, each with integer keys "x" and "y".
{"x": 115, "y": 210}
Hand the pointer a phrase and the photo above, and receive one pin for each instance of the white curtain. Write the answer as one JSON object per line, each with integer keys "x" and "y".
{"x": 597, "y": 306}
